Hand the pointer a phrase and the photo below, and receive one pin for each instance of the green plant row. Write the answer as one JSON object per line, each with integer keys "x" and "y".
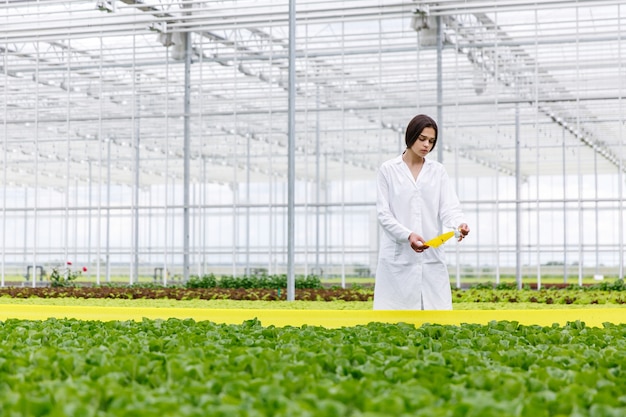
{"x": 68, "y": 278}
{"x": 609, "y": 285}
{"x": 185, "y": 368}
{"x": 576, "y": 295}
{"x": 178, "y": 293}
{"x": 477, "y": 296}
{"x": 253, "y": 281}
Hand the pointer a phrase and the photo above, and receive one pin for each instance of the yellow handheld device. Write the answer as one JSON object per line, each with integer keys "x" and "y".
{"x": 440, "y": 240}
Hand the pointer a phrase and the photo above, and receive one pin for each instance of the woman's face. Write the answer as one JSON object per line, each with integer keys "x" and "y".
{"x": 425, "y": 142}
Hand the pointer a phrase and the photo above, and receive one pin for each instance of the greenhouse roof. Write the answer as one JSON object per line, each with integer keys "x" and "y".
{"x": 95, "y": 89}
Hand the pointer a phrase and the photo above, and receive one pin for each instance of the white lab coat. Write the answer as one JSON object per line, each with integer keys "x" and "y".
{"x": 405, "y": 279}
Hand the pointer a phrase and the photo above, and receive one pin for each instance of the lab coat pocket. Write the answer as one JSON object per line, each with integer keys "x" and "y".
{"x": 404, "y": 254}
{"x": 434, "y": 256}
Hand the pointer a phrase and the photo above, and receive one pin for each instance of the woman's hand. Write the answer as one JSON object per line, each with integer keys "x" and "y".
{"x": 417, "y": 243}
{"x": 463, "y": 231}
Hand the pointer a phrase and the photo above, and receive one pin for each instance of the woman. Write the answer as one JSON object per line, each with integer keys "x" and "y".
{"x": 414, "y": 196}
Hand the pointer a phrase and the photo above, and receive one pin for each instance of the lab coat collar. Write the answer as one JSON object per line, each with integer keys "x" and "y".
{"x": 405, "y": 169}
{"x": 398, "y": 160}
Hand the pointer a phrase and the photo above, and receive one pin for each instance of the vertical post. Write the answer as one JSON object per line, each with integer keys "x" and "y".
{"x": 204, "y": 218}
{"x": 291, "y": 283}
{"x": 99, "y": 216}
{"x": 597, "y": 217}
{"x": 135, "y": 270}
{"x": 564, "y": 174}
{"x": 439, "y": 88}
{"x": 89, "y": 216}
{"x": 518, "y": 207}
{"x": 35, "y": 202}
{"x": 620, "y": 172}
{"x": 317, "y": 181}
{"x": 248, "y": 267}
{"x": 108, "y": 220}
{"x": 4, "y": 172}
{"x": 186, "y": 154}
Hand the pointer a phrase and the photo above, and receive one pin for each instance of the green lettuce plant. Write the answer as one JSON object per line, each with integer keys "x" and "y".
{"x": 185, "y": 368}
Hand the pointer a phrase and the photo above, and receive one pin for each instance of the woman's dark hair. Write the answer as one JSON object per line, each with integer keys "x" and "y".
{"x": 415, "y": 128}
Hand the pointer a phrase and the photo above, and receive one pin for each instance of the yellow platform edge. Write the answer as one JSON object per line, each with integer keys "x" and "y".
{"x": 324, "y": 318}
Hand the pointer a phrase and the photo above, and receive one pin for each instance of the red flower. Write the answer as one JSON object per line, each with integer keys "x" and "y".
{"x": 84, "y": 269}
{"x": 69, "y": 263}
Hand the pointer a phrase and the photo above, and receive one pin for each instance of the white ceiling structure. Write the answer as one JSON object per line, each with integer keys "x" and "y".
{"x": 520, "y": 86}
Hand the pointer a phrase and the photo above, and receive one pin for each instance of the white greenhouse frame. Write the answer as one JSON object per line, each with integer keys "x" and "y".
{"x": 160, "y": 139}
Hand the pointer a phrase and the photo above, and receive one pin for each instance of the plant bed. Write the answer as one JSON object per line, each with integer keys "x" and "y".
{"x": 187, "y": 368}
{"x": 575, "y": 295}
{"x": 177, "y": 293}
{"x": 552, "y": 296}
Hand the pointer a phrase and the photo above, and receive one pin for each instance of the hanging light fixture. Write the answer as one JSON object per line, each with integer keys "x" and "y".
{"x": 425, "y": 25}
